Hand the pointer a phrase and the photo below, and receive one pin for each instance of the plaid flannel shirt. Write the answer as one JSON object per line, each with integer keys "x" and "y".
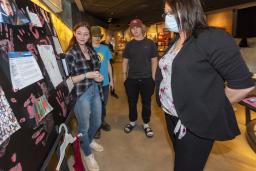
{"x": 77, "y": 65}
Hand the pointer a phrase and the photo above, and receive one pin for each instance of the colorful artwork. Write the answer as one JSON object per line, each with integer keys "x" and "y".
{"x": 41, "y": 108}
{"x": 10, "y": 14}
{"x": 8, "y": 122}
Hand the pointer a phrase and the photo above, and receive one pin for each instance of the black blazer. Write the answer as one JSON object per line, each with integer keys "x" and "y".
{"x": 199, "y": 73}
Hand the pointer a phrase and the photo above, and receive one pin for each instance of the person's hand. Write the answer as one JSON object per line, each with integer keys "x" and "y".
{"x": 92, "y": 74}
{"x": 153, "y": 77}
{"x": 111, "y": 84}
{"x": 124, "y": 77}
{"x": 99, "y": 79}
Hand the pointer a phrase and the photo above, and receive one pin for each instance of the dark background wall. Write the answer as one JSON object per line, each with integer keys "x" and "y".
{"x": 71, "y": 15}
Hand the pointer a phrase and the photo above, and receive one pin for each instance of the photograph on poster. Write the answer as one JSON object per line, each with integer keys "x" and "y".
{"x": 6, "y": 45}
{"x": 10, "y": 14}
{"x": 47, "y": 23}
{"x": 24, "y": 69}
{"x": 57, "y": 45}
{"x": 49, "y": 59}
{"x": 34, "y": 18}
{"x": 8, "y": 122}
{"x": 41, "y": 108}
{"x": 3, "y": 147}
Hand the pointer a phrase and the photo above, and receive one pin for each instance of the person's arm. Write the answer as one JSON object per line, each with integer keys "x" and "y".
{"x": 126, "y": 57}
{"x": 78, "y": 78}
{"x": 154, "y": 59}
{"x": 225, "y": 57}
{"x": 158, "y": 80}
{"x": 110, "y": 73}
{"x": 88, "y": 75}
{"x": 154, "y": 63}
{"x": 236, "y": 95}
{"x": 124, "y": 68}
{"x": 70, "y": 59}
{"x": 108, "y": 57}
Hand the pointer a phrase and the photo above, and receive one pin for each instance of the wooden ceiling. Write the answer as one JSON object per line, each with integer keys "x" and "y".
{"x": 118, "y": 13}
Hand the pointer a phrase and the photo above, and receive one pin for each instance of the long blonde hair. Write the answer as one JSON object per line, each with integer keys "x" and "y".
{"x": 73, "y": 39}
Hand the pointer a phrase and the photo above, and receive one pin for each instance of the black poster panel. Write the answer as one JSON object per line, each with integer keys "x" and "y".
{"x": 29, "y": 146}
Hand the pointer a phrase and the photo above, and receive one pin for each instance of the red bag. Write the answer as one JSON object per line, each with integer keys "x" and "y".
{"x": 78, "y": 165}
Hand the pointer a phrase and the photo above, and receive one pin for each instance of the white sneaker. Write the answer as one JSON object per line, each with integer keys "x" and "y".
{"x": 95, "y": 146}
{"x": 91, "y": 163}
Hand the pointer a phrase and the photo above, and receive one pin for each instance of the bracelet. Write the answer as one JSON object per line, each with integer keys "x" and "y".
{"x": 84, "y": 76}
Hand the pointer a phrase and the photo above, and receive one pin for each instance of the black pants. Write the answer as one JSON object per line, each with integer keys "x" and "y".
{"x": 105, "y": 94}
{"x": 145, "y": 88}
{"x": 192, "y": 151}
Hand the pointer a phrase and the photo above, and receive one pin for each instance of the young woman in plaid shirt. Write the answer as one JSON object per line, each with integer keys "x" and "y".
{"x": 83, "y": 63}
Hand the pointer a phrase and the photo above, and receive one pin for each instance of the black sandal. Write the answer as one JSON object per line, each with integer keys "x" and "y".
{"x": 148, "y": 132}
{"x": 128, "y": 128}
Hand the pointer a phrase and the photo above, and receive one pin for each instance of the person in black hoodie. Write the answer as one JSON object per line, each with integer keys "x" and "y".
{"x": 201, "y": 74}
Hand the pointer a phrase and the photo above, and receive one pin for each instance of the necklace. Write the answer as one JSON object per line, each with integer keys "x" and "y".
{"x": 84, "y": 50}
{"x": 85, "y": 53}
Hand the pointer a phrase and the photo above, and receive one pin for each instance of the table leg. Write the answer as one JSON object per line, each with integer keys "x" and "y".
{"x": 247, "y": 115}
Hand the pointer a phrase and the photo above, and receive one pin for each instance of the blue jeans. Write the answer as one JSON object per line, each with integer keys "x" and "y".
{"x": 88, "y": 113}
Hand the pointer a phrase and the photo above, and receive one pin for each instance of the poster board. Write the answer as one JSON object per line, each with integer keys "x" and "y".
{"x": 40, "y": 106}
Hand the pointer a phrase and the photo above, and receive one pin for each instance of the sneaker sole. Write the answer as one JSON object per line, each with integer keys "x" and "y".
{"x": 97, "y": 150}
{"x": 87, "y": 169}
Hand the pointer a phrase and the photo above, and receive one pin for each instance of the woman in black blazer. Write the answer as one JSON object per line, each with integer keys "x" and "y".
{"x": 201, "y": 74}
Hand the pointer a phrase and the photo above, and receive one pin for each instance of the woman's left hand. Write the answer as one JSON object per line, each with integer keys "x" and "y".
{"x": 99, "y": 78}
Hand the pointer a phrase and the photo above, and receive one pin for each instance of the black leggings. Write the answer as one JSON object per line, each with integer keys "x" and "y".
{"x": 192, "y": 151}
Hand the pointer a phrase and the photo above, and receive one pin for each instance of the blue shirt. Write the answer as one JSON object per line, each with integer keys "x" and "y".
{"x": 105, "y": 55}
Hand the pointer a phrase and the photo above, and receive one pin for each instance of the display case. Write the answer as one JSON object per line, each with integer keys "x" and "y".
{"x": 163, "y": 37}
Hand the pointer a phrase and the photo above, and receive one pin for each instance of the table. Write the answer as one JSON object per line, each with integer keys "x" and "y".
{"x": 250, "y": 125}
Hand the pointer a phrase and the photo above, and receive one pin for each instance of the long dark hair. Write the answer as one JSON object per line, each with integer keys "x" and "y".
{"x": 191, "y": 18}
{"x": 73, "y": 39}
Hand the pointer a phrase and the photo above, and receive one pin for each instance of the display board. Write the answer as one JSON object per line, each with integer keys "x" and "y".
{"x": 34, "y": 89}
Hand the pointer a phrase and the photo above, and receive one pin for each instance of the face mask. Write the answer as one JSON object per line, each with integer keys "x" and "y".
{"x": 171, "y": 23}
